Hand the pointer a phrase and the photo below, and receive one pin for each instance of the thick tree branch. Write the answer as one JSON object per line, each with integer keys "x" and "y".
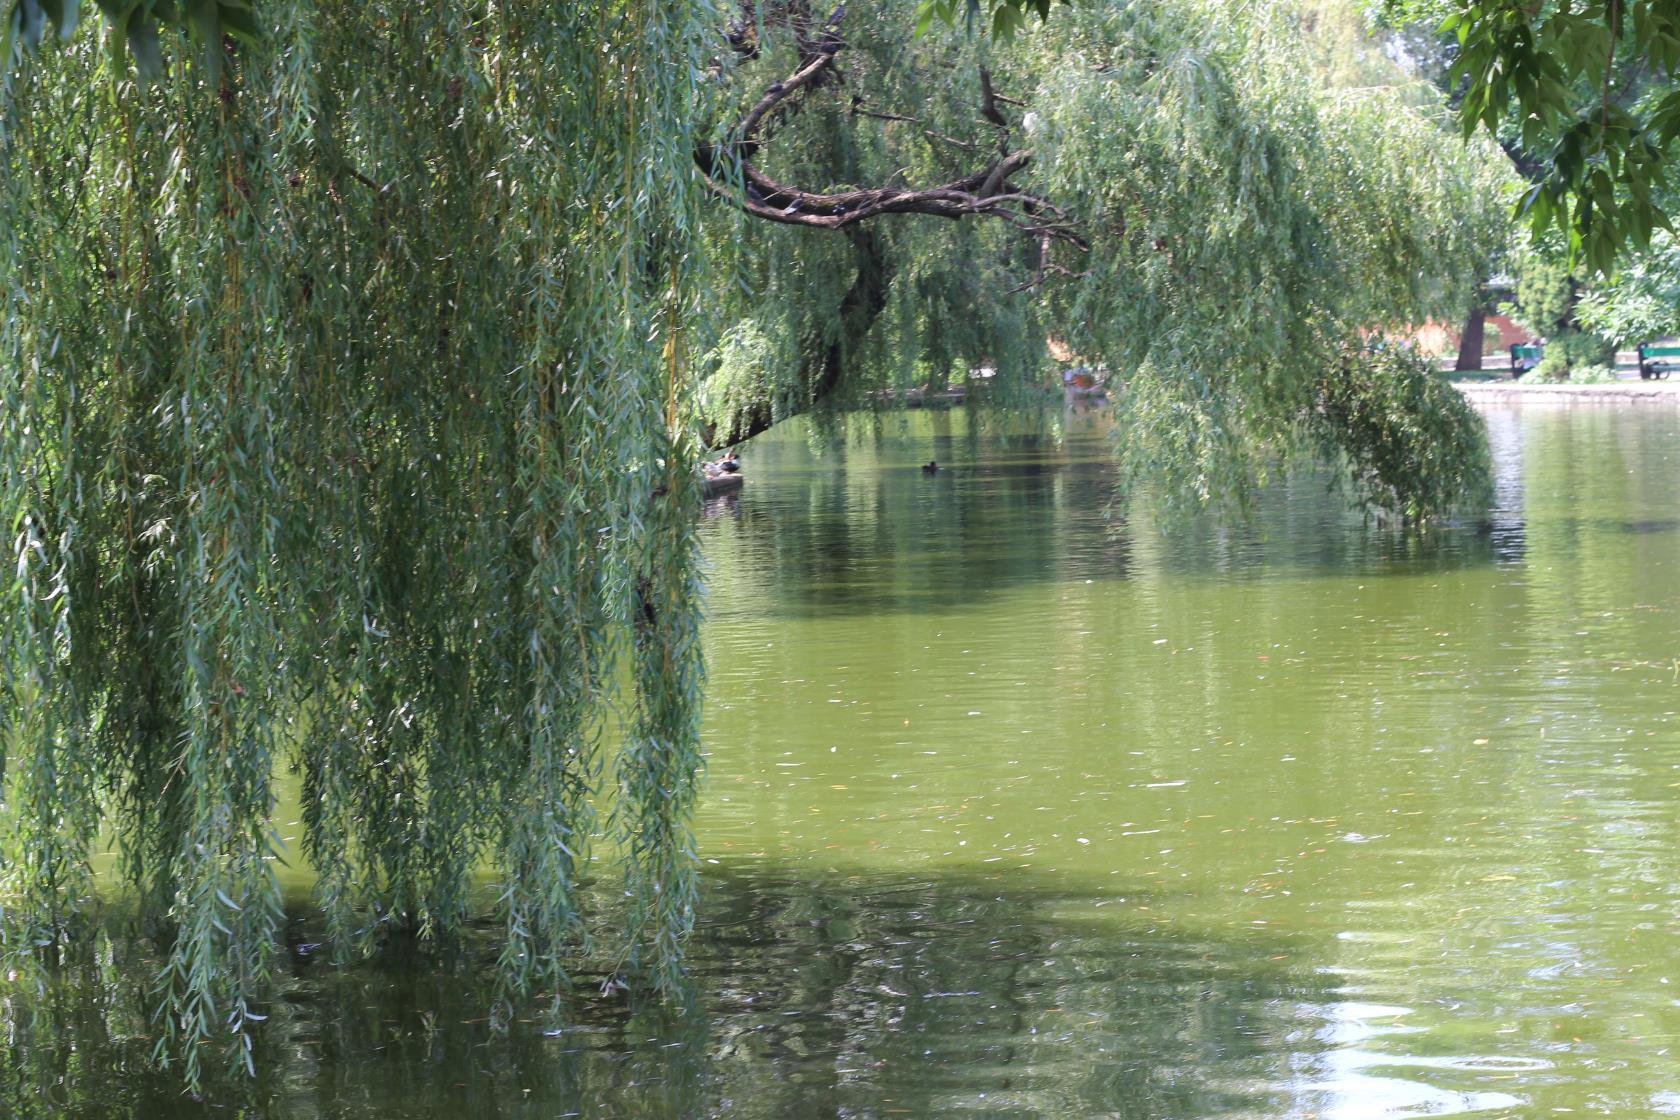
{"x": 986, "y": 192}
{"x": 781, "y": 91}
{"x": 989, "y": 100}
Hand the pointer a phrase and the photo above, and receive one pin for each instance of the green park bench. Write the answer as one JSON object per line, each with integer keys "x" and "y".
{"x": 1658, "y": 361}
{"x": 1525, "y": 358}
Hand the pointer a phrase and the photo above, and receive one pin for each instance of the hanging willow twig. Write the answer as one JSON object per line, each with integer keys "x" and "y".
{"x": 347, "y": 469}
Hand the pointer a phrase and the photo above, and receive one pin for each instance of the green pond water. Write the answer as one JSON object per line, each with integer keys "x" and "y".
{"x": 1010, "y": 813}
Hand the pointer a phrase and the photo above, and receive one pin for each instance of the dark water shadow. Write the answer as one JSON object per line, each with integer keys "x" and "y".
{"x": 902, "y": 540}
{"x": 851, "y": 995}
{"x": 1648, "y": 527}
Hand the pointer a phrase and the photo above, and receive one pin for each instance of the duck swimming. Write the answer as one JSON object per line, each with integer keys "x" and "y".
{"x": 930, "y": 467}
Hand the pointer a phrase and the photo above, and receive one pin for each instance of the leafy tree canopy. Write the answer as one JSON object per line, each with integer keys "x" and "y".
{"x": 1585, "y": 94}
{"x": 1641, "y": 302}
{"x": 345, "y": 428}
{"x": 136, "y": 29}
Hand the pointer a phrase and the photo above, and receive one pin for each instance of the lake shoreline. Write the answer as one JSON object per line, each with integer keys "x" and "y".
{"x": 1637, "y": 391}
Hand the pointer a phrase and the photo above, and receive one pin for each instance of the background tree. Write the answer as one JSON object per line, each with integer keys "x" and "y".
{"x": 1641, "y": 302}
{"x": 1585, "y": 97}
{"x": 1177, "y": 191}
{"x": 1547, "y": 300}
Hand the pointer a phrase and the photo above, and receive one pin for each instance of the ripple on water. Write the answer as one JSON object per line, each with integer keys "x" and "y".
{"x": 1354, "y": 1077}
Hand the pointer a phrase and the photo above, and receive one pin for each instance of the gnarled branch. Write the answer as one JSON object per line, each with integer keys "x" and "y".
{"x": 985, "y": 192}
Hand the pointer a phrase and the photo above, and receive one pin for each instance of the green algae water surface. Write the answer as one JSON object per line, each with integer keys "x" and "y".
{"x": 1015, "y": 812}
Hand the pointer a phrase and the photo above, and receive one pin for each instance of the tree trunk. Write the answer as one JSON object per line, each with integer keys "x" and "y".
{"x": 824, "y": 369}
{"x": 1470, "y": 345}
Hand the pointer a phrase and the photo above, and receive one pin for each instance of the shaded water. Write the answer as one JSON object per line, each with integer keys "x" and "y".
{"x": 1011, "y": 814}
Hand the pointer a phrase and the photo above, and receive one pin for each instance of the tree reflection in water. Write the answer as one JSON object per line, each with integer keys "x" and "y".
{"x": 849, "y": 996}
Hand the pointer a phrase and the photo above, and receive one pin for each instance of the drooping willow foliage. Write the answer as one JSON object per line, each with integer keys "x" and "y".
{"x": 345, "y": 427}
{"x": 1327, "y": 216}
{"x": 349, "y": 369}
{"x": 1262, "y": 200}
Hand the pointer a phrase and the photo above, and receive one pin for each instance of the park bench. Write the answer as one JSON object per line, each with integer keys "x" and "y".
{"x": 1657, "y": 361}
{"x": 1525, "y": 358}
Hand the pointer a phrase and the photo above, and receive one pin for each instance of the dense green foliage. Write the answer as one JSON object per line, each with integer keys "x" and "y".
{"x": 1545, "y": 294}
{"x": 1585, "y": 94}
{"x": 1250, "y": 220}
{"x": 1396, "y": 428}
{"x": 135, "y": 29}
{"x": 1641, "y": 301}
{"x": 344, "y": 428}
{"x": 1577, "y": 355}
{"x": 1546, "y": 299}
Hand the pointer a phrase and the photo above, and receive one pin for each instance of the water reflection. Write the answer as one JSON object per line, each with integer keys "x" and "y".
{"x": 846, "y": 523}
{"x": 849, "y": 995}
{"x": 864, "y": 529}
{"x": 961, "y": 995}
{"x": 1447, "y": 760}
{"x": 1351, "y": 1080}
{"x": 1015, "y": 811}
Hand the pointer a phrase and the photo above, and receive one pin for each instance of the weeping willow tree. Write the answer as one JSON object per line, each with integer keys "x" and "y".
{"x": 351, "y": 358}
{"x": 1226, "y": 205}
{"x": 345, "y": 428}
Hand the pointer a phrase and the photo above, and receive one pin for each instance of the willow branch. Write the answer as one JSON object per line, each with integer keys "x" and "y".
{"x": 1046, "y": 268}
{"x": 986, "y": 192}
